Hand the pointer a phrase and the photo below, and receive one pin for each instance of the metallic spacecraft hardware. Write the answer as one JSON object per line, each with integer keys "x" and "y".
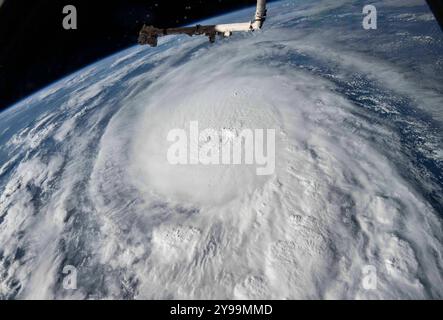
{"x": 149, "y": 35}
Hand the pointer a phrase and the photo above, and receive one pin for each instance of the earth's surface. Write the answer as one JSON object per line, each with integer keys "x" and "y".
{"x": 84, "y": 180}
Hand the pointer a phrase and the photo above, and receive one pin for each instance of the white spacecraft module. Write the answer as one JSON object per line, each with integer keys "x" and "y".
{"x": 149, "y": 34}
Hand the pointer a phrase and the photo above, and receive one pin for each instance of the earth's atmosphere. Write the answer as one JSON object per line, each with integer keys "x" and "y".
{"x": 84, "y": 179}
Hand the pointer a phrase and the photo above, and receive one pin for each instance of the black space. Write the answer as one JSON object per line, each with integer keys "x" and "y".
{"x": 35, "y": 49}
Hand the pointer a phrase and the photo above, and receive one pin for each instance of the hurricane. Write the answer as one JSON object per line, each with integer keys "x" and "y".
{"x": 358, "y": 179}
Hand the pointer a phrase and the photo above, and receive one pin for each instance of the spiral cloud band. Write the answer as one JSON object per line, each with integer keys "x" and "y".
{"x": 85, "y": 178}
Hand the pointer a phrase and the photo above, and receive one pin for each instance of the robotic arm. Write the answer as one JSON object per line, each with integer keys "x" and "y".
{"x": 149, "y": 35}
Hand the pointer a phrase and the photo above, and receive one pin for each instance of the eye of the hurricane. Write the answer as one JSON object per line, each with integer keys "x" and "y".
{"x": 208, "y": 147}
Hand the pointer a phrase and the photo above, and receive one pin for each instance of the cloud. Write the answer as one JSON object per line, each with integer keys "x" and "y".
{"x": 87, "y": 182}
